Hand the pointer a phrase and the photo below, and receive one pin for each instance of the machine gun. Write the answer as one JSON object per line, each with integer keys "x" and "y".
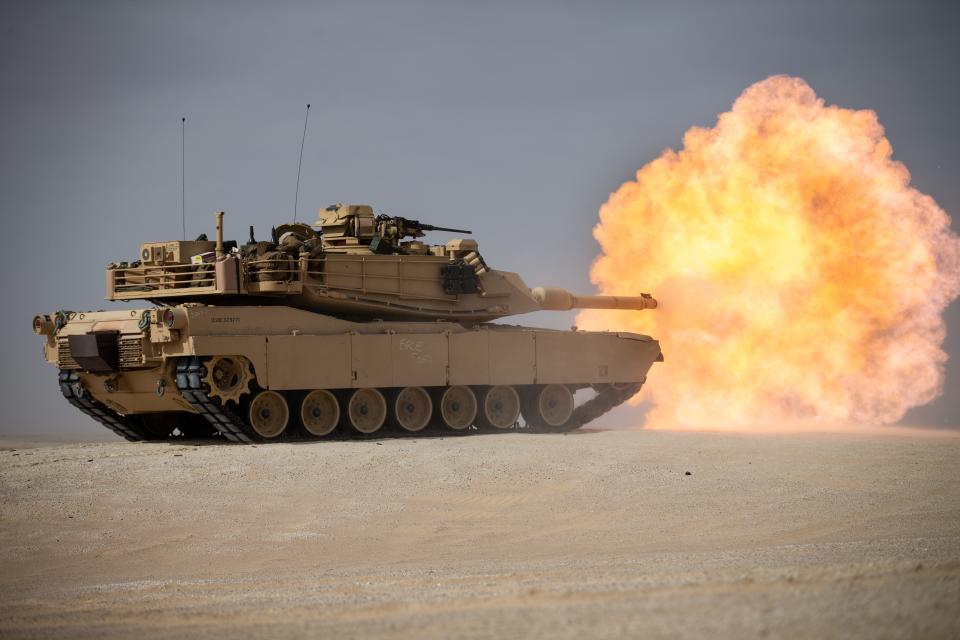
{"x": 390, "y": 230}
{"x": 395, "y": 226}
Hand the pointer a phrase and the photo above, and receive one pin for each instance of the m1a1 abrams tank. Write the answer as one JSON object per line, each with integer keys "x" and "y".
{"x": 352, "y": 324}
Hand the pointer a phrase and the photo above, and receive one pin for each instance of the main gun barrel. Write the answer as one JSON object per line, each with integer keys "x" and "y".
{"x": 557, "y": 299}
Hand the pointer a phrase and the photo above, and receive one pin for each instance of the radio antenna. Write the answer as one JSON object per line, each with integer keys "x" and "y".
{"x": 296, "y": 194}
{"x": 183, "y": 175}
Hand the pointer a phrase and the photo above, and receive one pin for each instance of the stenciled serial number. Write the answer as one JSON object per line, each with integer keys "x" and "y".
{"x": 225, "y": 319}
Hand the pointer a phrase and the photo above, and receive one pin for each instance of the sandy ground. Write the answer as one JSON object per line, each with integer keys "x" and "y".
{"x": 595, "y": 534}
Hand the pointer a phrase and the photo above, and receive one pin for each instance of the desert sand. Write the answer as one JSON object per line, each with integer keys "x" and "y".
{"x": 593, "y": 534}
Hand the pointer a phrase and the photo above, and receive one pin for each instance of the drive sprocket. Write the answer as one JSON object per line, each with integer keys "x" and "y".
{"x": 228, "y": 377}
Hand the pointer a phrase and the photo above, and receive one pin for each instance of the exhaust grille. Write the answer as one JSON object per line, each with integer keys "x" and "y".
{"x": 64, "y": 357}
{"x": 131, "y": 353}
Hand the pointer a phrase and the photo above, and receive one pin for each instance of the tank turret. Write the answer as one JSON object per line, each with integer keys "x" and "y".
{"x": 352, "y": 264}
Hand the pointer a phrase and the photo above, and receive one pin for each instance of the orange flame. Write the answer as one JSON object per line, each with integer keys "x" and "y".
{"x": 800, "y": 277}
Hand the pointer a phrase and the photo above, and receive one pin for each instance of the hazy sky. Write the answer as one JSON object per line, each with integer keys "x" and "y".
{"x": 515, "y": 120}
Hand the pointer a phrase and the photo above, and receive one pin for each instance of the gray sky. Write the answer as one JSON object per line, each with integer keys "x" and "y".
{"x": 515, "y": 120}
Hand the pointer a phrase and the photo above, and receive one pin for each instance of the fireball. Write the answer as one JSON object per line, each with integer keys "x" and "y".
{"x": 800, "y": 277}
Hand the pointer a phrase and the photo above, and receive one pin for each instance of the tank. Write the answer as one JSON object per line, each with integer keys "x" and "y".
{"x": 350, "y": 326}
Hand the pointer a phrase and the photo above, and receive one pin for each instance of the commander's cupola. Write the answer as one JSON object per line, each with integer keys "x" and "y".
{"x": 347, "y": 228}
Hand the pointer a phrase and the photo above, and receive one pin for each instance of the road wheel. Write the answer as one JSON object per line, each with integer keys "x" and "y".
{"x": 269, "y": 414}
{"x": 319, "y": 412}
{"x": 458, "y": 407}
{"x": 412, "y": 408}
{"x": 367, "y": 410}
{"x": 499, "y": 407}
{"x": 554, "y": 405}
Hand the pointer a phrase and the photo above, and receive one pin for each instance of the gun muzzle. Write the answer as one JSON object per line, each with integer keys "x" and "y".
{"x": 557, "y": 299}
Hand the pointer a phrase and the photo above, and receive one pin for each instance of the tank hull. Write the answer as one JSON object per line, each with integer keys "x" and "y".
{"x": 247, "y": 369}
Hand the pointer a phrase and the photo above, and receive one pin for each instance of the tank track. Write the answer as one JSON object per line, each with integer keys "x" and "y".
{"x": 190, "y": 373}
{"x": 123, "y": 426}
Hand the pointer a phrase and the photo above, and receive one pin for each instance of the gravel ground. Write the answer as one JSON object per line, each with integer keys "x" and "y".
{"x": 593, "y": 534}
